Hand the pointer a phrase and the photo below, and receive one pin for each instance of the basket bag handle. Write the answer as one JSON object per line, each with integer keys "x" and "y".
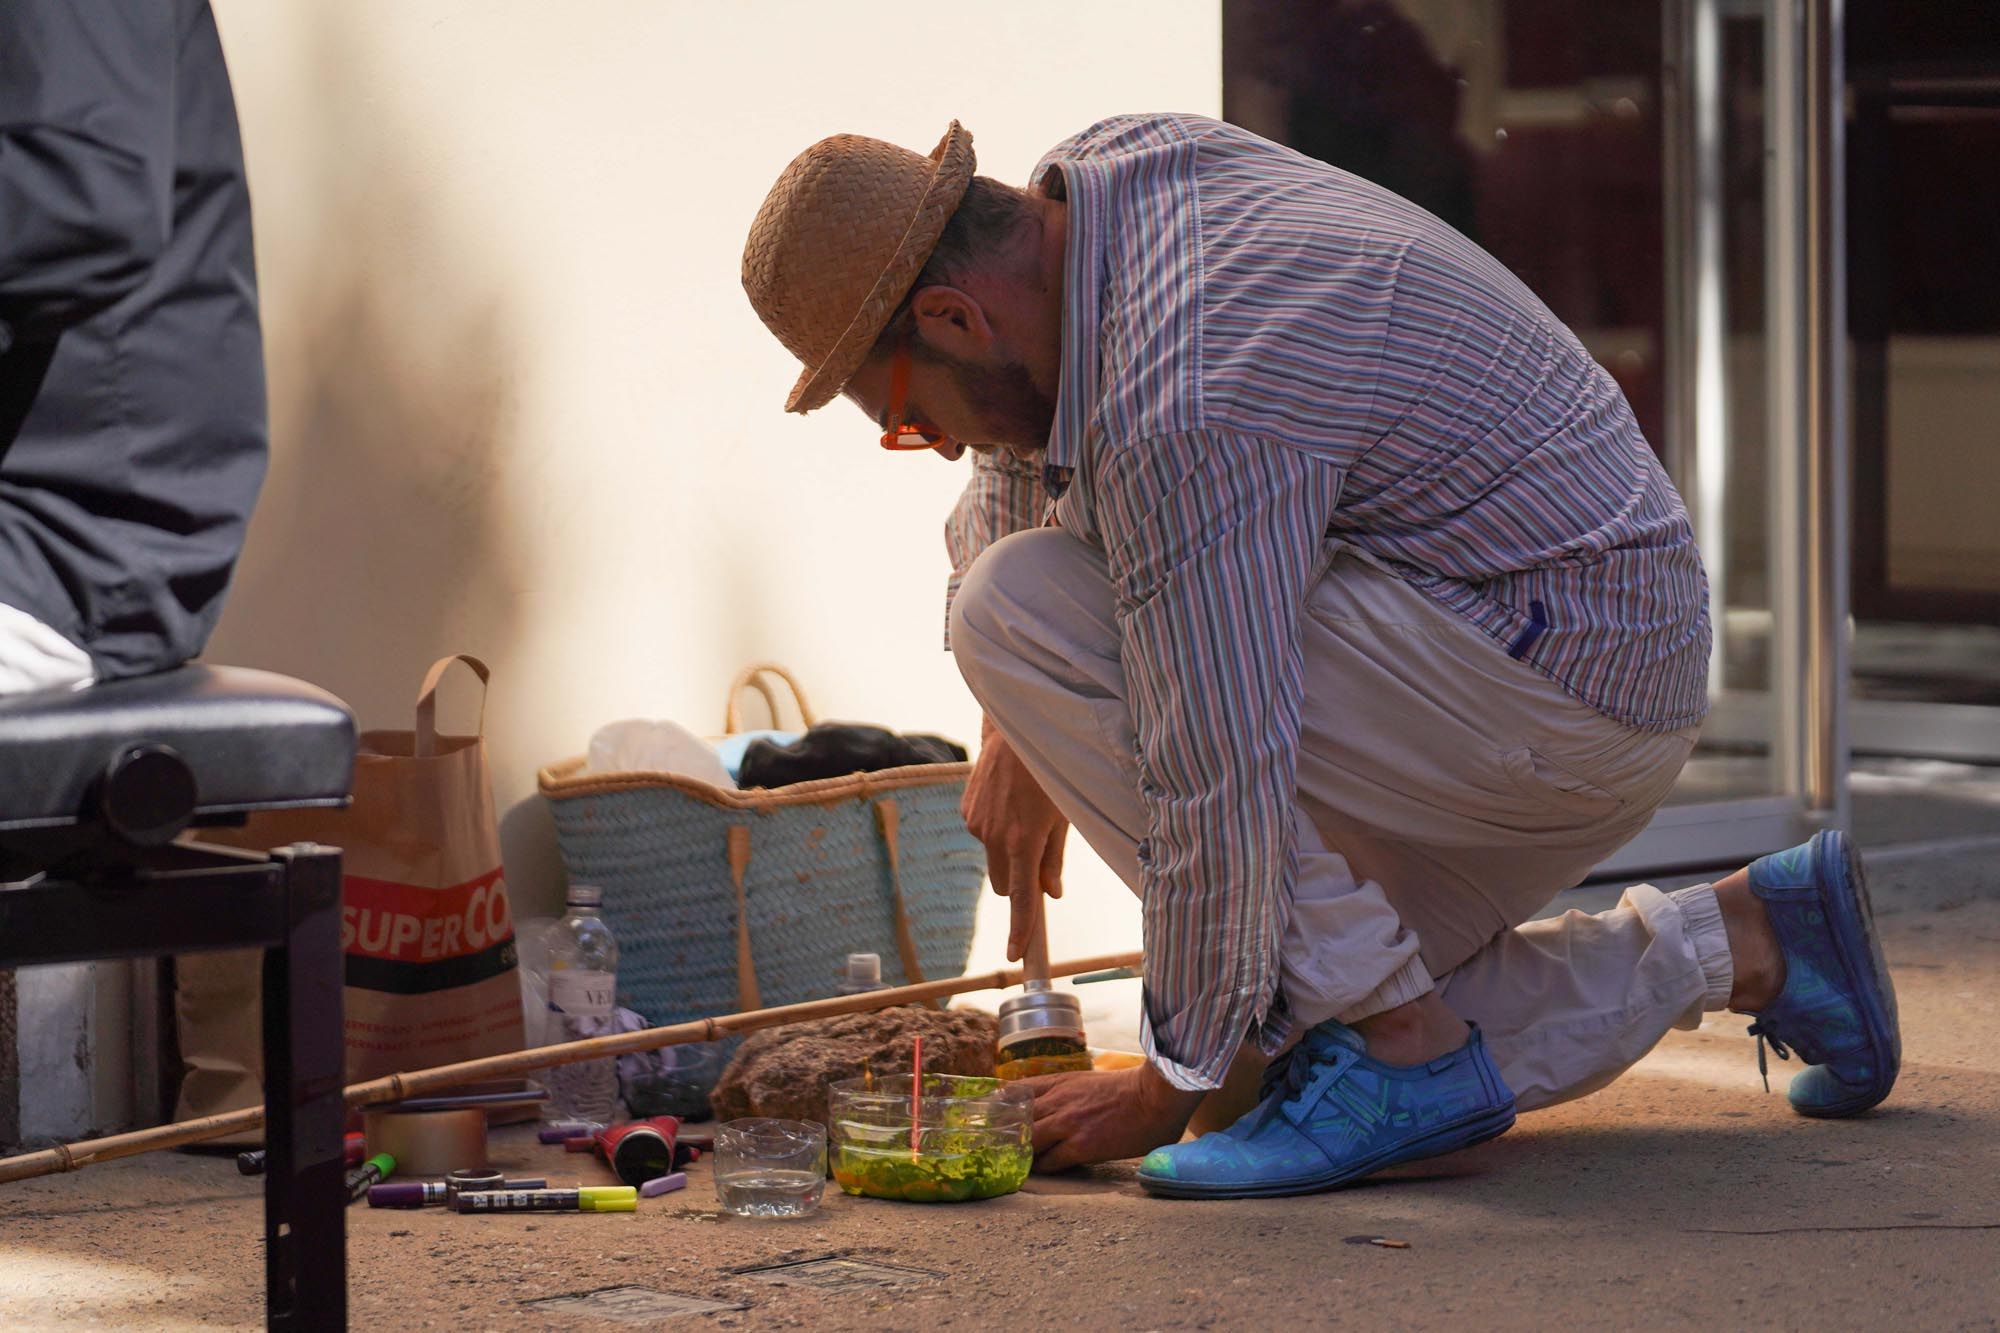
{"x": 886, "y": 822}
{"x": 739, "y": 867}
{"x": 886, "y": 816}
{"x": 752, "y": 677}
{"x": 426, "y": 728}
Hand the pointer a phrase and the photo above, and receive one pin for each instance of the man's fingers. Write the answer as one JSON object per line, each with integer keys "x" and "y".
{"x": 1042, "y": 1084}
{"x": 1061, "y": 1149}
{"x": 1020, "y": 919}
{"x": 997, "y": 868}
{"x": 1061, "y": 1156}
{"x": 1054, "y": 1142}
{"x": 1052, "y": 860}
{"x": 1018, "y": 872}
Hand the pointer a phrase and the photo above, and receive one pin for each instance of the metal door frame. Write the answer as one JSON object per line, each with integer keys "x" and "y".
{"x": 1808, "y": 428}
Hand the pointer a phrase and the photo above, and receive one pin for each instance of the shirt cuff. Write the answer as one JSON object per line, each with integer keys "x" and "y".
{"x": 1269, "y": 1035}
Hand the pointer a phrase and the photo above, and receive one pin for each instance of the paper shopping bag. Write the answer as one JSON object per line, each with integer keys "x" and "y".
{"x": 425, "y": 923}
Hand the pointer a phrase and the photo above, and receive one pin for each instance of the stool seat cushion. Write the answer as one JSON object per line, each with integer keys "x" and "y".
{"x": 253, "y": 740}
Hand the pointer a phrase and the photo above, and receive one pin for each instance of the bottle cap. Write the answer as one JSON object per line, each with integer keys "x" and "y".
{"x": 607, "y": 1199}
{"x": 863, "y": 969}
{"x": 585, "y": 895}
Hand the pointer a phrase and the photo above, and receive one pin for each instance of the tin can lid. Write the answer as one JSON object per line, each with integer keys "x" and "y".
{"x": 1037, "y": 1014}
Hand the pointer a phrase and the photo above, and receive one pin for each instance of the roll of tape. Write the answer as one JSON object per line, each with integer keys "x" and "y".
{"x": 471, "y": 1180}
{"x": 428, "y": 1143}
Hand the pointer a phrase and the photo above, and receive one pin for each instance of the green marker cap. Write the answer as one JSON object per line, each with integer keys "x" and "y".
{"x": 607, "y": 1199}
{"x": 384, "y": 1163}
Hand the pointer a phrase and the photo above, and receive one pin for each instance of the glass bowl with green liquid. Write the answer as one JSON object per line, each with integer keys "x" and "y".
{"x": 974, "y": 1137}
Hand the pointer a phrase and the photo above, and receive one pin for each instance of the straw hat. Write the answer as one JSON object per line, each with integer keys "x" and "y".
{"x": 838, "y": 242}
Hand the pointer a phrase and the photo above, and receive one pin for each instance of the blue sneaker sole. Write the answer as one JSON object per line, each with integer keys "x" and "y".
{"x": 1844, "y": 895}
{"x": 1434, "y": 1142}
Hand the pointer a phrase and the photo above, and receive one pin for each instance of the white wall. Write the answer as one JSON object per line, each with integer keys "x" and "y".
{"x": 519, "y": 404}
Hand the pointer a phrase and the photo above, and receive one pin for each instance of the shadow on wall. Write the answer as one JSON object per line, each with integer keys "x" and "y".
{"x": 384, "y": 537}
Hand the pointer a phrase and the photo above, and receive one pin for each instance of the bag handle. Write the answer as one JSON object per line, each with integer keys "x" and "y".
{"x": 752, "y": 677}
{"x": 739, "y": 869}
{"x": 426, "y": 743}
{"x": 887, "y": 817}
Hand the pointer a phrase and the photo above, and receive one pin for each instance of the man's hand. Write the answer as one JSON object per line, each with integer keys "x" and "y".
{"x": 1103, "y": 1117}
{"x": 1006, "y": 809}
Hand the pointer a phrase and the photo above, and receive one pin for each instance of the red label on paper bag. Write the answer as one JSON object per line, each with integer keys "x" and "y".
{"x": 409, "y": 938}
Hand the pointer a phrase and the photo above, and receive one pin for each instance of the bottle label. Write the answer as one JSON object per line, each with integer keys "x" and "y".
{"x": 582, "y": 994}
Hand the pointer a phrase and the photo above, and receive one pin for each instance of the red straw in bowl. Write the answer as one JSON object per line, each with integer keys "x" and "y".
{"x": 916, "y": 1089}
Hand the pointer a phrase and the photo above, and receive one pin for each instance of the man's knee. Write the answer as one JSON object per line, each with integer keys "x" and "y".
{"x": 995, "y": 591}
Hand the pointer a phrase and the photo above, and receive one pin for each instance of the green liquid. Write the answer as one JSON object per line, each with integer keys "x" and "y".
{"x": 931, "y": 1177}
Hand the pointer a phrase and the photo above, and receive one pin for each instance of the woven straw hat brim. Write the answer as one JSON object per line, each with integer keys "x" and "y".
{"x": 817, "y": 385}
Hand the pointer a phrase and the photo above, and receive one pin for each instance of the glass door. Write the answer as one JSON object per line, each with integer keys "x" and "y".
{"x": 1665, "y": 174}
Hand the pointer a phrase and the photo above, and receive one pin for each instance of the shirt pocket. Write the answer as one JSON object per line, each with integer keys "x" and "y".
{"x": 1548, "y": 783}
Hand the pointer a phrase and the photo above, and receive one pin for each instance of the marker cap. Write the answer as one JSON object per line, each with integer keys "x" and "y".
{"x": 382, "y": 1162}
{"x": 398, "y": 1194}
{"x": 659, "y": 1185}
{"x": 607, "y": 1199}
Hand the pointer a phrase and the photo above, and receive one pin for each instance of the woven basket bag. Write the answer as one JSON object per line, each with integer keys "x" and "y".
{"x": 724, "y": 899}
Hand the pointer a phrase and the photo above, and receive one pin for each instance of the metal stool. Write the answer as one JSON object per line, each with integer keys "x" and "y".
{"x": 95, "y": 786}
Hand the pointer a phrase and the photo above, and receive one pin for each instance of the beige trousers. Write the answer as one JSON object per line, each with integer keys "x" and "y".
{"x": 1446, "y": 793}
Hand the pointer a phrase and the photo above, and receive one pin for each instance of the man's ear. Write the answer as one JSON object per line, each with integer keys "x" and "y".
{"x": 953, "y": 323}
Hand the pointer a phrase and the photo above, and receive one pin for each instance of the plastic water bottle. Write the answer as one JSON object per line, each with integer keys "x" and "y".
{"x": 583, "y": 990}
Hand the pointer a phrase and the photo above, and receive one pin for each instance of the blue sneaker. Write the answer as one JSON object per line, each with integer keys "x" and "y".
{"x": 1330, "y": 1115}
{"x": 1837, "y": 1008}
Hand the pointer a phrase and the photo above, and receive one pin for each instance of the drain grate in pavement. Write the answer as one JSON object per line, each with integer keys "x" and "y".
{"x": 631, "y": 1305}
{"x": 837, "y": 1274}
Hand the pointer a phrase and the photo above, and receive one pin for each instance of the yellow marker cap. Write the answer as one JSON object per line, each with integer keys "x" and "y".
{"x": 607, "y": 1199}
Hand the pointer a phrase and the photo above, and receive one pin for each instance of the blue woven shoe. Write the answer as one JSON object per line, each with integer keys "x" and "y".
{"x": 1837, "y": 1008}
{"x": 1330, "y": 1115}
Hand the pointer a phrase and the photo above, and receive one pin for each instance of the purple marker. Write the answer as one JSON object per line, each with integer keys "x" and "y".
{"x": 561, "y": 1131}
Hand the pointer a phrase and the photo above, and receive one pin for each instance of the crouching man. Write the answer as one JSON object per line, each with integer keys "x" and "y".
{"x": 1315, "y": 572}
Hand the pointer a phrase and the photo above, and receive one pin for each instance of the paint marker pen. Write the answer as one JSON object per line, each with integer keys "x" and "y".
{"x": 353, "y": 1149}
{"x": 423, "y": 1193}
{"x": 373, "y": 1171}
{"x": 562, "y": 1131}
{"x": 587, "y": 1199}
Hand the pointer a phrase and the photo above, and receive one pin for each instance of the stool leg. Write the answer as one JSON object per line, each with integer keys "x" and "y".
{"x": 305, "y": 1217}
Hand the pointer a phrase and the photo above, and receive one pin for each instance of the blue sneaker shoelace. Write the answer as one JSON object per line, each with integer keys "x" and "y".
{"x": 1765, "y": 1033}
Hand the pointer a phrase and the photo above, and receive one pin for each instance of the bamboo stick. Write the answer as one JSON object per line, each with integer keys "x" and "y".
{"x": 395, "y": 1087}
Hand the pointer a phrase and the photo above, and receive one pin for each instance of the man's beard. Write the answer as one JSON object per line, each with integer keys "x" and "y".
{"x": 1017, "y": 414}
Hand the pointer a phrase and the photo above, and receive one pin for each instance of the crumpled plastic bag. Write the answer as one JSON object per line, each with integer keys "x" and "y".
{"x": 651, "y": 745}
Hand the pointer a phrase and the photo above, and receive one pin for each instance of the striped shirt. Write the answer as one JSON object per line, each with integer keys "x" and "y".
{"x": 1266, "y": 359}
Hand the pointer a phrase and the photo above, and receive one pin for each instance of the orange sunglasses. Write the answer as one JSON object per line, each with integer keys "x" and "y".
{"x": 906, "y": 435}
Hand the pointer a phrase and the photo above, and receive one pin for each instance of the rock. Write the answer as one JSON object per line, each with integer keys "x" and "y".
{"x": 783, "y": 1072}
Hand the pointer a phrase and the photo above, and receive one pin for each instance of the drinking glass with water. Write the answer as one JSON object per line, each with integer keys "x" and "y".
{"x": 770, "y": 1168}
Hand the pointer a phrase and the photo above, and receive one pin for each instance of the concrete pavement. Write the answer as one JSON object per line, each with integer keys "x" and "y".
{"x": 1683, "y": 1196}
